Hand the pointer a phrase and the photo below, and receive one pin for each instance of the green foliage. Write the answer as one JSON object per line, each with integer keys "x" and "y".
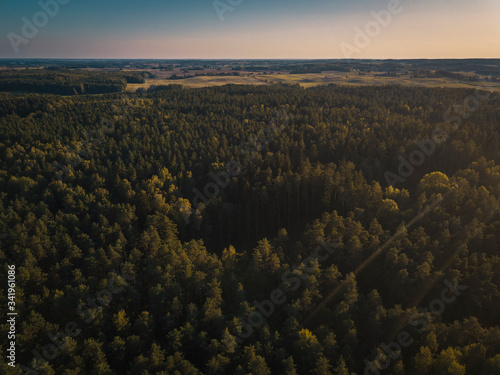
{"x": 95, "y": 217}
{"x": 66, "y": 82}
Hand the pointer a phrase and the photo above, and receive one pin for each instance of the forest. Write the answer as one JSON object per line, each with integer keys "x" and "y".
{"x": 66, "y": 82}
{"x": 251, "y": 229}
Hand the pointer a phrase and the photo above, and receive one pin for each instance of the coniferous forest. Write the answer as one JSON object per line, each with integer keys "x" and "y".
{"x": 252, "y": 230}
{"x": 66, "y": 82}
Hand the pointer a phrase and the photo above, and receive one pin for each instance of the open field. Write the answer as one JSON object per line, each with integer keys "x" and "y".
{"x": 202, "y": 81}
{"x": 316, "y": 79}
{"x": 352, "y": 79}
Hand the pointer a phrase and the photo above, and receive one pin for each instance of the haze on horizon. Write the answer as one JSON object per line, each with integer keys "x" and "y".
{"x": 253, "y": 29}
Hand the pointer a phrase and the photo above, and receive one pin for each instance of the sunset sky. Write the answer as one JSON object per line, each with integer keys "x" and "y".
{"x": 174, "y": 29}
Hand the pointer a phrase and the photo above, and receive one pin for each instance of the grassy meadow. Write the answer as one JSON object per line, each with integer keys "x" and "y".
{"x": 316, "y": 79}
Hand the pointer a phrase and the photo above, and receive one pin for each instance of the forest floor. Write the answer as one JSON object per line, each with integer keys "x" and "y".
{"x": 317, "y": 79}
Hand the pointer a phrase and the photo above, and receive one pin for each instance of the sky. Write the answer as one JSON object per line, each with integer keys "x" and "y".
{"x": 250, "y": 29}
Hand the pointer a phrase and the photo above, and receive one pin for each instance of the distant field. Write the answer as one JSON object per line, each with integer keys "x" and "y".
{"x": 316, "y": 79}
{"x": 203, "y": 81}
{"x": 352, "y": 79}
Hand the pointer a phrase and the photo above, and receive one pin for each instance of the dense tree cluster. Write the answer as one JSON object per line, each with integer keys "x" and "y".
{"x": 105, "y": 231}
{"x": 66, "y": 82}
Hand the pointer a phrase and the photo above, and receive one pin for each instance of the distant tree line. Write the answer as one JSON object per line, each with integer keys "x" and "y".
{"x": 66, "y": 82}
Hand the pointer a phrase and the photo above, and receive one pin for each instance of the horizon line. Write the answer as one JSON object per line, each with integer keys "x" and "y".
{"x": 249, "y": 59}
